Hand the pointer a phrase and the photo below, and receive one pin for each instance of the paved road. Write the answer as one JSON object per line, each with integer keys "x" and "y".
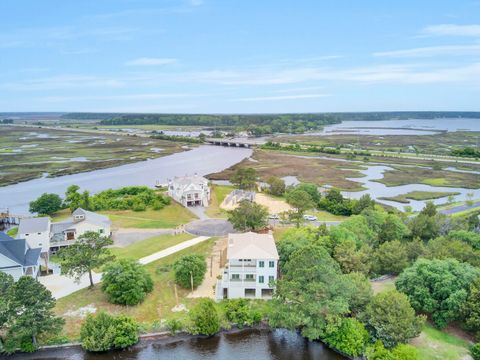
{"x": 210, "y": 227}
{"x": 459, "y": 208}
{"x": 61, "y": 286}
{"x": 124, "y": 237}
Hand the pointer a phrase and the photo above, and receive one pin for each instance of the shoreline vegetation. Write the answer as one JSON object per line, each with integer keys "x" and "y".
{"x": 419, "y": 196}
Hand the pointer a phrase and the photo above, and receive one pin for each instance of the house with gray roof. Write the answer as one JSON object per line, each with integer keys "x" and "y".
{"x": 65, "y": 233}
{"x": 17, "y": 258}
{"x": 36, "y": 231}
{"x": 190, "y": 190}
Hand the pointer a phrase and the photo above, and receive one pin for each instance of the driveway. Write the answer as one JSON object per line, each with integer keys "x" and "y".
{"x": 124, "y": 237}
{"x": 61, "y": 286}
{"x": 210, "y": 227}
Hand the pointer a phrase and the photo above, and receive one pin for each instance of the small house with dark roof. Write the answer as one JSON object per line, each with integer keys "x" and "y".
{"x": 17, "y": 258}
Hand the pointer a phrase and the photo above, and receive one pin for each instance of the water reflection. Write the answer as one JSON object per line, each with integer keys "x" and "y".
{"x": 242, "y": 345}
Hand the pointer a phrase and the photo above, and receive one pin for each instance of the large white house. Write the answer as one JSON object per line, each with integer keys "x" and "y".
{"x": 190, "y": 190}
{"x": 66, "y": 232}
{"x": 36, "y": 231}
{"x": 252, "y": 267}
{"x": 17, "y": 258}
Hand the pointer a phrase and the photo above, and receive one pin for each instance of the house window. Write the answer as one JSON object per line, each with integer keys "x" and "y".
{"x": 261, "y": 279}
{"x": 100, "y": 231}
{"x": 249, "y": 277}
{"x": 235, "y": 276}
{"x": 271, "y": 264}
{"x": 271, "y": 278}
{"x": 39, "y": 233}
{"x": 261, "y": 264}
{"x": 27, "y": 234}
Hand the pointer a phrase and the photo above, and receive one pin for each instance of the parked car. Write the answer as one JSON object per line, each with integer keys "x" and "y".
{"x": 310, "y": 217}
{"x": 274, "y": 217}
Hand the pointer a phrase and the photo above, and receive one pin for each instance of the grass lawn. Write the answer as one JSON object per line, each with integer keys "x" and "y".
{"x": 433, "y": 344}
{"x": 419, "y": 195}
{"x": 169, "y": 217}
{"x": 326, "y": 216}
{"x": 218, "y": 194}
{"x": 13, "y": 231}
{"x": 61, "y": 215}
{"x": 157, "y": 305}
{"x": 149, "y": 246}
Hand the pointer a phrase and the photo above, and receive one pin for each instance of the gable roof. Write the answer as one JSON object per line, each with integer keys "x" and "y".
{"x": 18, "y": 251}
{"x": 193, "y": 182}
{"x": 93, "y": 217}
{"x": 34, "y": 225}
{"x": 251, "y": 245}
{"x": 4, "y": 237}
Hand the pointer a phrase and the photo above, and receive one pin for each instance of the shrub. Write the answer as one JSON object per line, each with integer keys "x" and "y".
{"x": 405, "y": 352}
{"x": 204, "y": 318}
{"x": 188, "y": 269}
{"x": 104, "y": 332}
{"x": 174, "y": 326}
{"x": 126, "y": 282}
{"x": 240, "y": 312}
{"x": 351, "y": 337}
{"x": 475, "y": 351}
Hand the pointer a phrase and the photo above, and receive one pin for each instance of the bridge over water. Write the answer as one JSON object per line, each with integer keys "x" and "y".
{"x": 238, "y": 142}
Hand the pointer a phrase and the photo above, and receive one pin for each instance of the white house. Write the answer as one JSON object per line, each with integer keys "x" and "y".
{"x": 190, "y": 190}
{"x": 36, "y": 231}
{"x": 252, "y": 267}
{"x": 17, "y": 258}
{"x": 66, "y": 232}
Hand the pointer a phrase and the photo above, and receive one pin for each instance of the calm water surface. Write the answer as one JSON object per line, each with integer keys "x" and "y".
{"x": 244, "y": 345}
{"x": 401, "y": 127}
{"x": 202, "y": 160}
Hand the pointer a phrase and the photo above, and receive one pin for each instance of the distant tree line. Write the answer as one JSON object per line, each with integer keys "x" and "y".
{"x": 466, "y": 152}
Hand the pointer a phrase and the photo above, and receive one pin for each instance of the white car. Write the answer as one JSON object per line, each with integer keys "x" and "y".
{"x": 310, "y": 217}
{"x": 273, "y": 217}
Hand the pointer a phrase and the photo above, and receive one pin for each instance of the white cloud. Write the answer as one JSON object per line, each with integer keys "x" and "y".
{"x": 283, "y": 97}
{"x": 146, "y": 61}
{"x": 123, "y": 97}
{"x": 453, "y": 30}
{"x": 453, "y": 50}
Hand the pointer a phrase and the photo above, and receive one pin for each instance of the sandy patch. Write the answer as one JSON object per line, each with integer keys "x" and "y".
{"x": 274, "y": 206}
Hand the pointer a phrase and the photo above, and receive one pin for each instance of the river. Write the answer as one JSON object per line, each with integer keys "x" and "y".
{"x": 243, "y": 345}
{"x": 202, "y": 160}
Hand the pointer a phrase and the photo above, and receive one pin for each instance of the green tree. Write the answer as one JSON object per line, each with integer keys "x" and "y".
{"x": 393, "y": 228}
{"x": 26, "y": 313}
{"x": 471, "y": 308}
{"x": 245, "y": 178}
{"x": 292, "y": 240}
{"x": 312, "y": 292}
{"x": 352, "y": 259}
{"x": 126, "y": 282}
{"x": 301, "y": 201}
{"x": 475, "y": 351}
{"x": 73, "y": 199}
{"x": 312, "y": 190}
{"x": 390, "y": 318}
{"x": 350, "y": 337}
{"x": 429, "y": 210}
{"x": 390, "y": 258}
{"x": 204, "y": 318}
{"x": 87, "y": 253}
{"x": 438, "y": 287}
{"x": 277, "y": 186}
{"x": 188, "y": 269}
{"x": 105, "y": 332}
{"x": 446, "y": 247}
{"x": 249, "y": 216}
{"x": 365, "y": 202}
{"x": 424, "y": 227}
{"x": 377, "y": 351}
{"x": 46, "y": 204}
{"x": 362, "y": 290}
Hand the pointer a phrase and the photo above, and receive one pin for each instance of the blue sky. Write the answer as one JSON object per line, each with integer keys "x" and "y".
{"x": 239, "y": 56}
